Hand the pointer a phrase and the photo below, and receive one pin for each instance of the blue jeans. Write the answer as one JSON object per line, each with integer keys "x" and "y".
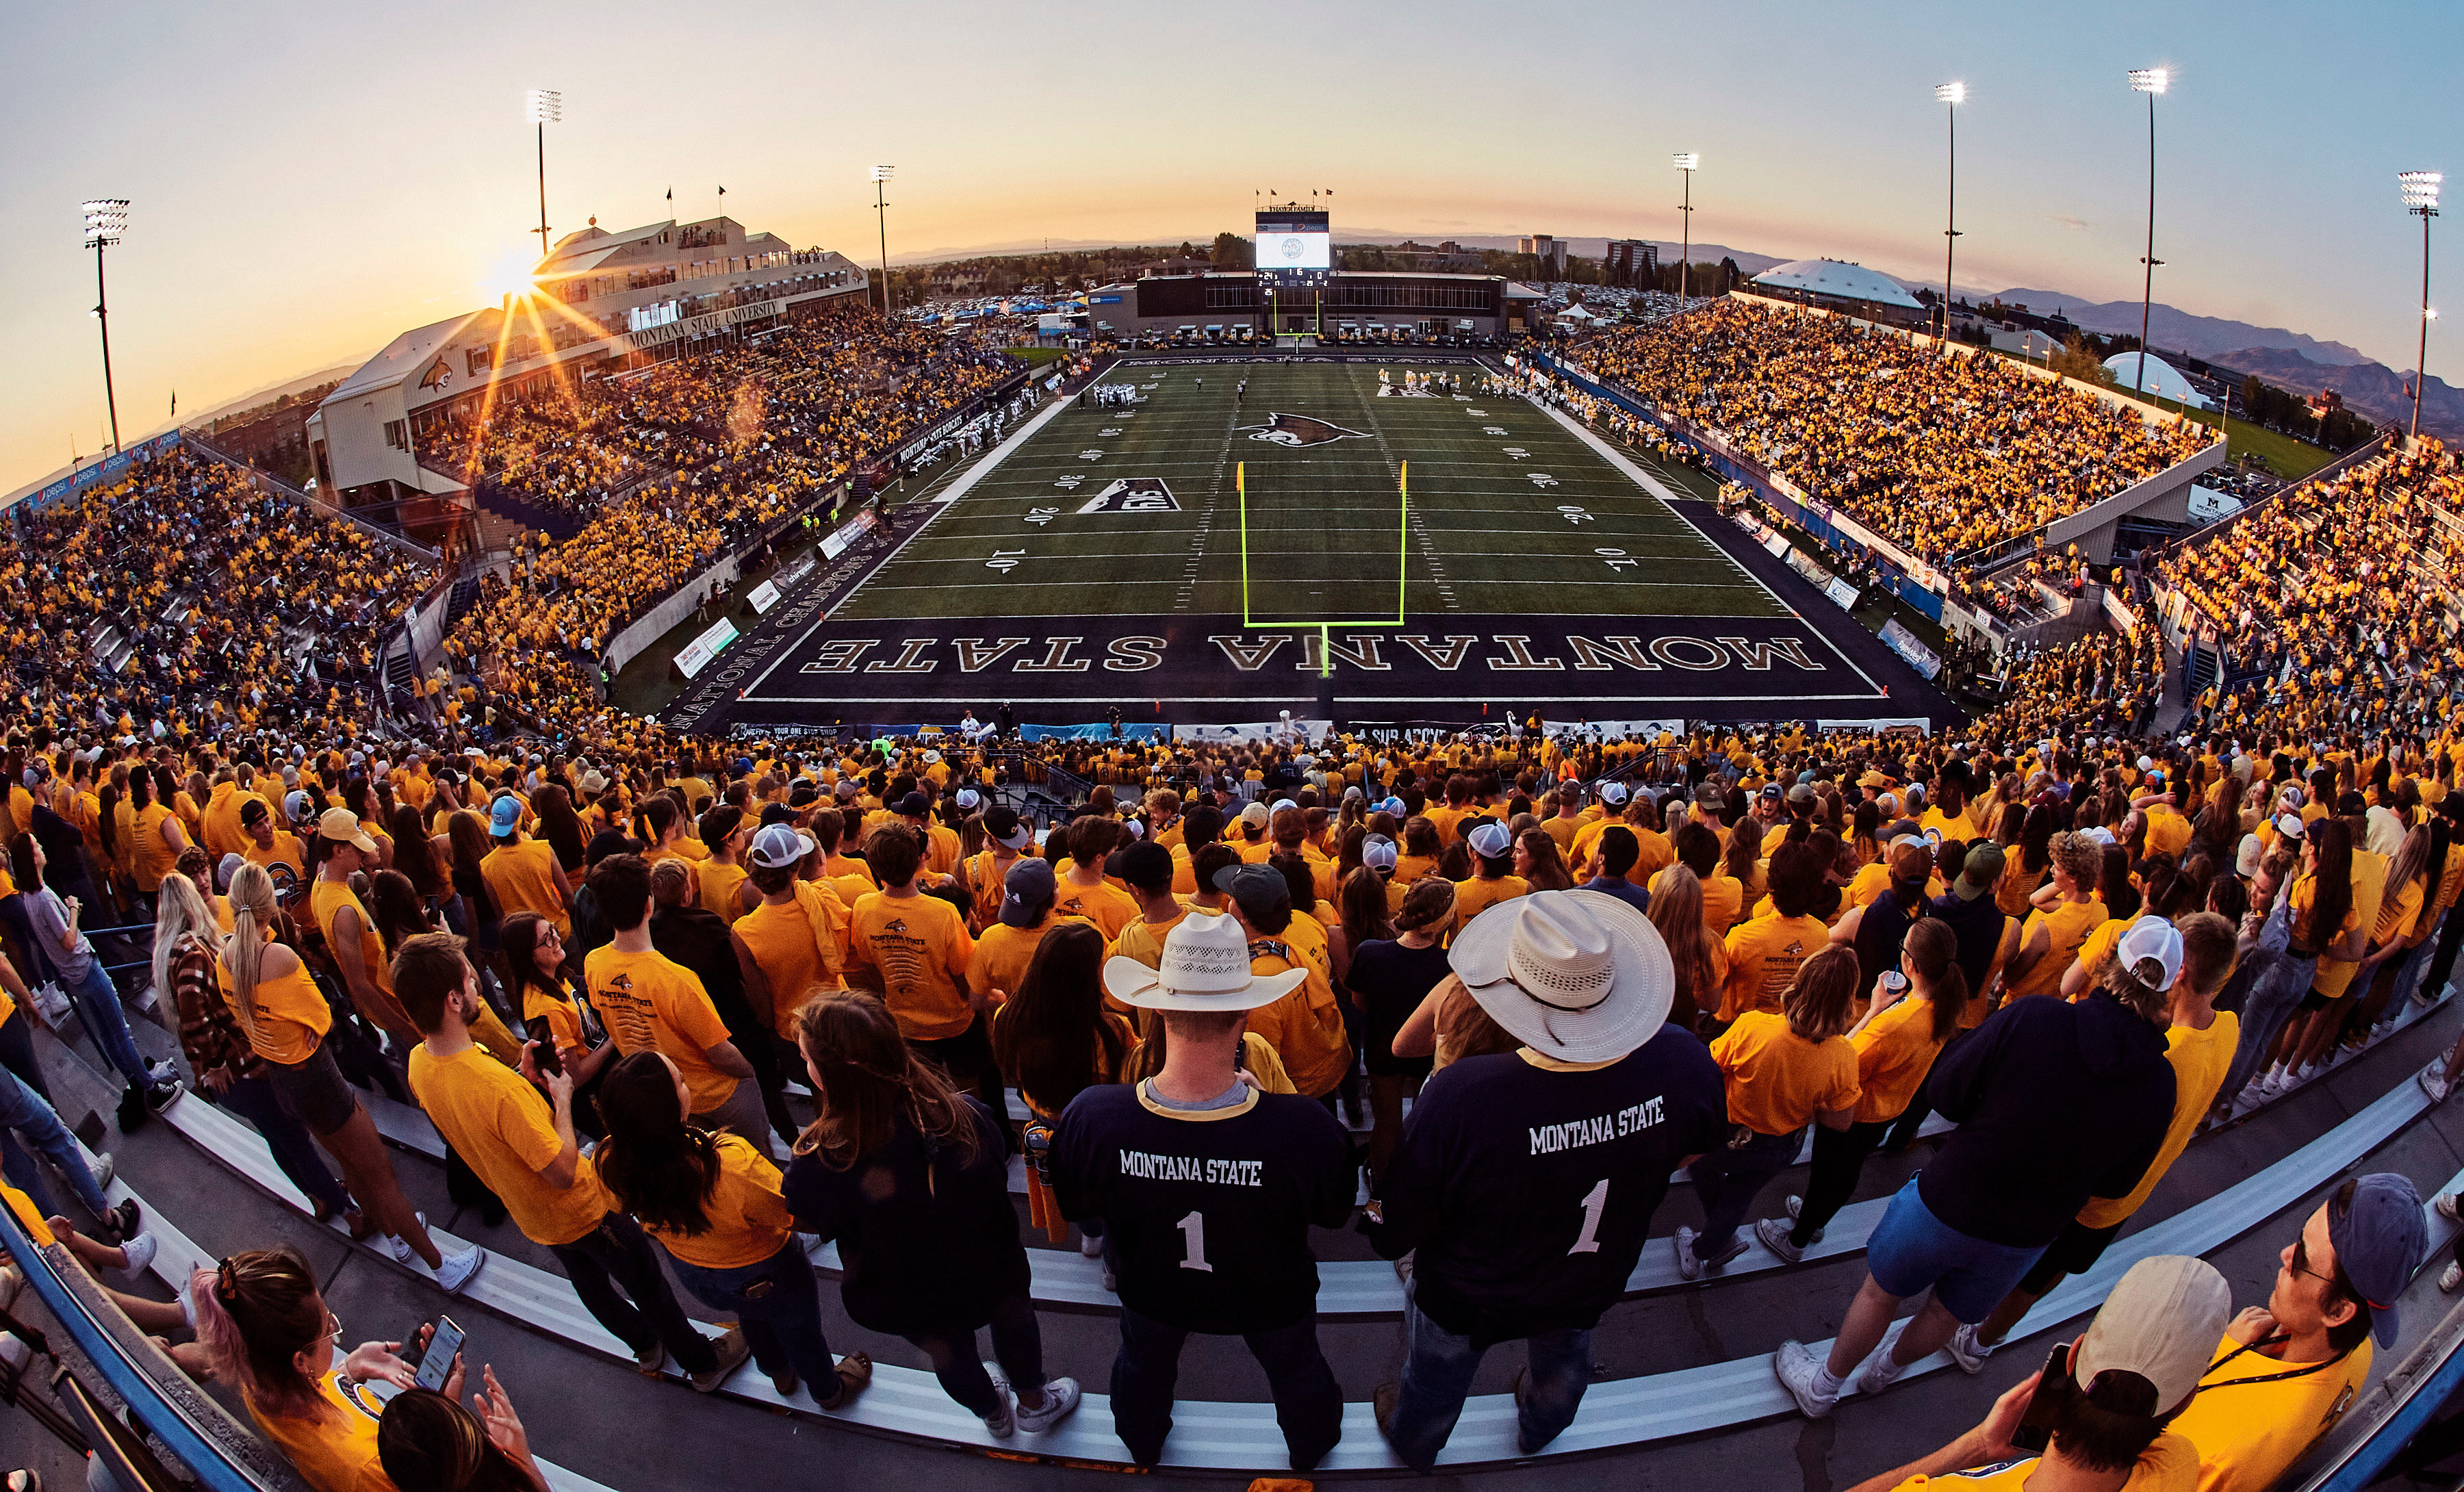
{"x": 21, "y": 1110}
{"x": 257, "y": 1101}
{"x": 17, "y": 1052}
{"x": 2271, "y": 999}
{"x": 779, "y": 1307}
{"x": 98, "y": 1003}
{"x": 1437, "y": 1379}
{"x": 1309, "y": 1403}
{"x": 1726, "y": 1181}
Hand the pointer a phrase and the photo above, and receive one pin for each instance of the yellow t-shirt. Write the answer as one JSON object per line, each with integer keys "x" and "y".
{"x": 1764, "y": 955}
{"x": 500, "y": 1126}
{"x": 327, "y": 899}
{"x": 718, "y": 884}
{"x": 1306, "y": 1026}
{"x": 919, "y": 944}
{"x": 2067, "y": 929}
{"x": 1143, "y": 940}
{"x": 2170, "y": 1465}
{"x": 2335, "y": 975}
{"x": 336, "y": 1453}
{"x": 796, "y": 943}
{"x": 749, "y": 1221}
{"x": 559, "y": 1016}
{"x": 1476, "y": 895}
{"x": 1894, "y": 1053}
{"x": 652, "y": 1003}
{"x": 1103, "y": 903}
{"x": 1003, "y": 951}
{"x": 2200, "y": 1060}
{"x": 519, "y": 877}
{"x": 2248, "y": 1433}
{"x": 291, "y": 1014}
{"x": 1777, "y": 1079}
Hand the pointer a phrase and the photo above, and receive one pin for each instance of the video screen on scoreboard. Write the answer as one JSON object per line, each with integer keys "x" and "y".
{"x": 1294, "y": 244}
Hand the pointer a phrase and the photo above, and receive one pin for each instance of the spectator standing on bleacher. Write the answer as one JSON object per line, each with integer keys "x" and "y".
{"x": 527, "y": 1154}
{"x": 1207, "y": 1189}
{"x": 1527, "y": 1182}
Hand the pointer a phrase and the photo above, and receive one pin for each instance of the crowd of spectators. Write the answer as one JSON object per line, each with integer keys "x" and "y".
{"x": 1940, "y": 454}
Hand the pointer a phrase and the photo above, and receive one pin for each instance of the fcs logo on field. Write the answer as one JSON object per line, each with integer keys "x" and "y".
{"x": 1300, "y": 429}
{"x": 1132, "y": 494}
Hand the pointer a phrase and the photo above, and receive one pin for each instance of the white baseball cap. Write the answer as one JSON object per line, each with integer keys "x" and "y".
{"x": 1490, "y": 839}
{"x": 2152, "y": 937}
{"x": 781, "y": 844}
{"x": 2161, "y": 1322}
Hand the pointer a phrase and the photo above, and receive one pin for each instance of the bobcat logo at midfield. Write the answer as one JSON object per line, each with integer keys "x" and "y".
{"x": 1299, "y": 430}
{"x": 1132, "y": 494}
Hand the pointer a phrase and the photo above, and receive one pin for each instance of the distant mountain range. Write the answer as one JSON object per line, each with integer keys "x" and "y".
{"x": 2199, "y": 335}
{"x": 2372, "y": 388}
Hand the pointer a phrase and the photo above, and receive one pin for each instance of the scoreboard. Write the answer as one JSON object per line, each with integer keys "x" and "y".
{"x": 1294, "y": 247}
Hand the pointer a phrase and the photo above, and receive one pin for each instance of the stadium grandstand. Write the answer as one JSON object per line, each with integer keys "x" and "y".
{"x": 1508, "y": 940}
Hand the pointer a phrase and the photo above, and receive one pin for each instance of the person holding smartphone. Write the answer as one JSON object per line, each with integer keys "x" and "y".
{"x": 2099, "y": 1417}
{"x": 526, "y": 1152}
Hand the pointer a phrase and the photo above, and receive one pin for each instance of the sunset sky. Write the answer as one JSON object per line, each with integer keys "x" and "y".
{"x": 311, "y": 180}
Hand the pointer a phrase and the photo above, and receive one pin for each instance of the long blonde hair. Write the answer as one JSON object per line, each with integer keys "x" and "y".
{"x": 178, "y": 910}
{"x": 253, "y": 909}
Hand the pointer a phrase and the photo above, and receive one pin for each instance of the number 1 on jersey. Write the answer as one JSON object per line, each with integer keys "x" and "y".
{"x": 1192, "y": 1229}
{"x": 1596, "y": 1201}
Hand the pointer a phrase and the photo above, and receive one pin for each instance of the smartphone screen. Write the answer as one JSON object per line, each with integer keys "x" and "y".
{"x": 437, "y": 1361}
{"x": 2035, "y": 1429}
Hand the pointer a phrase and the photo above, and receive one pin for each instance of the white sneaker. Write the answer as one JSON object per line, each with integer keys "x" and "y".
{"x": 458, "y": 1269}
{"x": 1060, "y": 1400}
{"x": 2444, "y": 1203}
{"x": 2433, "y": 1082}
{"x": 1796, "y": 1213}
{"x": 161, "y": 1072}
{"x": 104, "y": 1168}
{"x": 1968, "y": 1351}
{"x": 2274, "y": 1085}
{"x": 1880, "y": 1373}
{"x": 1774, "y": 1236}
{"x": 1797, "y": 1370}
{"x": 1002, "y": 1423}
{"x": 1090, "y": 1248}
{"x": 1688, "y": 1268}
{"x": 403, "y": 1252}
{"x": 2452, "y": 1279}
{"x": 141, "y": 1251}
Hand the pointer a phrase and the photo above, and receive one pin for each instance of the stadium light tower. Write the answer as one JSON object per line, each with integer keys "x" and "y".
{"x": 2151, "y": 82}
{"x": 1687, "y": 162}
{"x": 2421, "y": 196}
{"x": 881, "y": 210}
{"x": 1953, "y": 95}
{"x": 543, "y": 107}
{"x": 106, "y": 222}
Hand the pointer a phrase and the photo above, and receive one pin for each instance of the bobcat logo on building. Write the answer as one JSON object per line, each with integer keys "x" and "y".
{"x": 437, "y": 376}
{"x": 1132, "y": 494}
{"x": 1298, "y": 431}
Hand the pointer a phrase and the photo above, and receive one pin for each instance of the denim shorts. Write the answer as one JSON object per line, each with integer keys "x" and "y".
{"x": 1911, "y": 1249}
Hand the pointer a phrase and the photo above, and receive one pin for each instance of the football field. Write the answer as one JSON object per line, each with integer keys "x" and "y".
{"x": 1247, "y": 535}
{"x": 1138, "y": 509}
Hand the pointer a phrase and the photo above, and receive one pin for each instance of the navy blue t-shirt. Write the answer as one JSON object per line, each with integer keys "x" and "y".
{"x": 1207, "y": 1212}
{"x": 1529, "y": 1191}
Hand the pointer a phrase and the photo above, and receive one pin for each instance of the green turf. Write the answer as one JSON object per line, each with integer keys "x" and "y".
{"x": 1485, "y": 537}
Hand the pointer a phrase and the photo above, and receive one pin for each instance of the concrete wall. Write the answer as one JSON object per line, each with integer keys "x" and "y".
{"x": 648, "y": 628}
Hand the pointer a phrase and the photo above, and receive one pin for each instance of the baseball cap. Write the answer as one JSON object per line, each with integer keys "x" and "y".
{"x": 300, "y": 805}
{"x": 1258, "y": 888}
{"x": 2289, "y": 824}
{"x": 1980, "y": 872}
{"x": 2152, "y": 937}
{"x": 1027, "y": 891}
{"x": 1711, "y": 794}
{"x": 781, "y": 844}
{"x": 1490, "y": 839}
{"x": 969, "y": 800}
{"x": 343, "y": 827}
{"x": 1769, "y": 790}
{"x": 1393, "y": 805}
{"x": 1255, "y": 814}
{"x": 1801, "y": 792}
{"x": 227, "y": 867}
{"x": 1377, "y": 852}
{"x": 2161, "y": 1322}
{"x": 914, "y": 805}
{"x": 1612, "y": 792}
{"x": 254, "y": 810}
{"x": 1001, "y": 823}
{"x": 2380, "y": 1240}
{"x": 804, "y": 794}
{"x": 1140, "y": 864}
{"x": 505, "y": 816}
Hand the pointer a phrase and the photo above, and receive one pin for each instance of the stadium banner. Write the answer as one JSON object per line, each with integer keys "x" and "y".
{"x": 1887, "y": 725}
{"x": 695, "y": 655}
{"x": 1778, "y": 544}
{"x": 1100, "y": 730}
{"x": 1283, "y": 732}
{"x": 1611, "y": 730}
{"x": 848, "y": 533}
{"x": 764, "y": 597}
{"x": 1843, "y": 593}
{"x": 795, "y": 573}
{"x": 1803, "y": 565}
{"x": 1900, "y": 640}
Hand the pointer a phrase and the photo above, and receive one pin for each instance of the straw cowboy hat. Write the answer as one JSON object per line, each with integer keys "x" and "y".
{"x": 1205, "y": 967}
{"x": 1576, "y": 976}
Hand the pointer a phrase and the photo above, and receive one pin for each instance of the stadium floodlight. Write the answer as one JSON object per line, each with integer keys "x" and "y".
{"x": 1687, "y": 162}
{"x": 542, "y": 107}
{"x": 1954, "y": 95}
{"x": 2151, "y": 82}
{"x": 881, "y": 210}
{"x": 106, "y": 223}
{"x": 2420, "y": 191}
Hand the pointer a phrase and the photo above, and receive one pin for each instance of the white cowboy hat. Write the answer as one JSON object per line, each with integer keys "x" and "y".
{"x": 1205, "y": 967}
{"x": 1576, "y": 976}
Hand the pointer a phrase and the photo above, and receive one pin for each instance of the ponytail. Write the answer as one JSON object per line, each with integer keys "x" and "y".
{"x": 252, "y": 900}
{"x": 1932, "y": 951}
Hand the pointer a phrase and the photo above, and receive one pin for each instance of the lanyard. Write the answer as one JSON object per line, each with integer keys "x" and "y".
{"x": 2272, "y": 1377}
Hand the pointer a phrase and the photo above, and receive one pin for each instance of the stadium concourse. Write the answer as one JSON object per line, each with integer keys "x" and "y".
{"x": 1636, "y": 1095}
